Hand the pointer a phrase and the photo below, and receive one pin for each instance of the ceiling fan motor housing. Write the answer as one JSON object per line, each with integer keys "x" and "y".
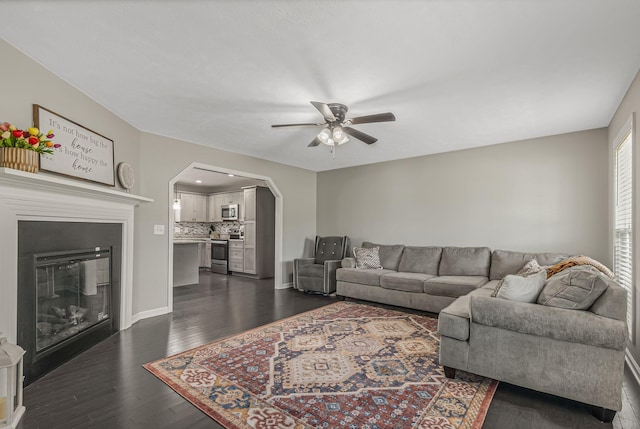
{"x": 339, "y": 111}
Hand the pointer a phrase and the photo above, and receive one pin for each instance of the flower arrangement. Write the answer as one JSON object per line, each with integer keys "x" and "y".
{"x": 30, "y": 139}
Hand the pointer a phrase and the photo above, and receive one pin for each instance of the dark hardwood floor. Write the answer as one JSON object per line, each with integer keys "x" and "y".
{"x": 107, "y": 388}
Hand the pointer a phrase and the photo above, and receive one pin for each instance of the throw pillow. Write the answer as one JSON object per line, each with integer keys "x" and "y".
{"x": 575, "y": 288}
{"x": 530, "y": 268}
{"x": 521, "y": 289}
{"x": 575, "y": 261}
{"x": 367, "y": 257}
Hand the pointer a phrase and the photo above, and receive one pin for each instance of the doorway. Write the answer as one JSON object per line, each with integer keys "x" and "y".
{"x": 187, "y": 181}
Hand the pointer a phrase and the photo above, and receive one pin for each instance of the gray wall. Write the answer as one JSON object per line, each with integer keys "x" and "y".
{"x": 25, "y": 82}
{"x": 164, "y": 158}
{"x": 629, "y": 105}
{"x": 156, "y": 160}
{"x": 547, "y": 194}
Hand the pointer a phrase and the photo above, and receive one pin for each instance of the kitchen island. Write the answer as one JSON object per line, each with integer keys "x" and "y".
{"x": 185, "y": 262}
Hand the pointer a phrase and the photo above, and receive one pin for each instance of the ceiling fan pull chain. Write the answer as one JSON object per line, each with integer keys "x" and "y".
{"x": 333, "y": 152}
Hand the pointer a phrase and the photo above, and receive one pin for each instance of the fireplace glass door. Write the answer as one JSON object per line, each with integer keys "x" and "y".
{"x": 72, "y": 295}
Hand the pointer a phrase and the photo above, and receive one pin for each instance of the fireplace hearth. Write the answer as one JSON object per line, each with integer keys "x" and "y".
{"x": 67, "y": 283}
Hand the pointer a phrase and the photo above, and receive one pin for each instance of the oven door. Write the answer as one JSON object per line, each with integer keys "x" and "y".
{"x": 219, "y": 257}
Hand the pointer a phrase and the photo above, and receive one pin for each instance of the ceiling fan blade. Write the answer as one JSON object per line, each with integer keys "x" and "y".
{"x": 314, "y": 143}
{"x": 379, "y": 117}
{"x": 325, "y": 110}
{"x": 295, "y": 125}
{"x": 360, "y": 135}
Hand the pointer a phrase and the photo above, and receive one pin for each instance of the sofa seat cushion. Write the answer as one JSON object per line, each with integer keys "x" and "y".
{"x": 311, "y": 270}
{"x": 453, "y": 286}
{"x": 408, "y": 282}
{"x": 574, "y": 326}
{"x": 453, "y": 321}
{"x": 365, "y": 277}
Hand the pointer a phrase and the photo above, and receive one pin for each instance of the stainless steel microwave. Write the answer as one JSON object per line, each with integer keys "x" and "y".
{"x": 230, "y": 212}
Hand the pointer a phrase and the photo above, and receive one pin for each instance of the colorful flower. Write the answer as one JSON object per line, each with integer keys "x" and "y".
{"x": 30, "y": 139}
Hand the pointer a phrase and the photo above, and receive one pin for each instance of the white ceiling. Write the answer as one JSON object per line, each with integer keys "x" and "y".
{"x": 212, "y": 181}
{"x": 456, "y": 73}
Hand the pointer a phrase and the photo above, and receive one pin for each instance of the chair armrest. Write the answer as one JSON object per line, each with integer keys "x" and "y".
{"x": 297, "y": 263}
{"x": 330, "y": 268}
{"x": 349, "y": 263}
{"x": 303, "y": 261}
{"x": 575, "y": 326}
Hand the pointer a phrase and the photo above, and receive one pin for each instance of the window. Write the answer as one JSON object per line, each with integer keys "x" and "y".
{"x": 623, "y": 234}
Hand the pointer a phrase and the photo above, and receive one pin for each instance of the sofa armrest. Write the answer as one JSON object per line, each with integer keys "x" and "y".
{"x": 575, "y": 326}
{"x": 349, "y": 263}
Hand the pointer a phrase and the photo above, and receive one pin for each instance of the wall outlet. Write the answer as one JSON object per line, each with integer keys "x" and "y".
{"x": 158, "y": 229}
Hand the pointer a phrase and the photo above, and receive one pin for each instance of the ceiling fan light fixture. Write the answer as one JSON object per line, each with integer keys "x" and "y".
{"x": 325, "y": 136}
{"x": 339, "y": 136}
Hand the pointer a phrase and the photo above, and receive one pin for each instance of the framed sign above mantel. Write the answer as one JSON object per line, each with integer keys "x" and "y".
{"x": 83, "y": 154}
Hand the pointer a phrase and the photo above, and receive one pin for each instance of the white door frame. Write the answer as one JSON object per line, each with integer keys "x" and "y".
{"x": 278, "y": 275}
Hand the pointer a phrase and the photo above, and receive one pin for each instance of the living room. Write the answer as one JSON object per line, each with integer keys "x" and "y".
{"x": 550, "y": 191}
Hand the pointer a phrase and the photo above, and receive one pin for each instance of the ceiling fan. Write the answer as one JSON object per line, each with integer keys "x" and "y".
{"x": 337, "y": 127}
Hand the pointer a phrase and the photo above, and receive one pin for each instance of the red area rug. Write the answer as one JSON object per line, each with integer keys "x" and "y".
{"x": 342, "y": 366}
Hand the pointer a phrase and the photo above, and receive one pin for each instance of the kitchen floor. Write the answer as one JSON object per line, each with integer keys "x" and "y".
{"x": 107, "y": 388}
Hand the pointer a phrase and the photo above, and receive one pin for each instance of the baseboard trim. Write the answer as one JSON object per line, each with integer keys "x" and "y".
{"x": 149, "y": 313}
{"x": 633, "y": 366}
{"x": 285, "y": 285}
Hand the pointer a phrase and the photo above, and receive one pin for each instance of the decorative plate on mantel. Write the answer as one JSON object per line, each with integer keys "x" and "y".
{"x": 126, "y": 176}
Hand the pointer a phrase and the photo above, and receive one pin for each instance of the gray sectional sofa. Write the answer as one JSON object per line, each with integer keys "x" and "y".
{"x": 576, "y": 354}
{"x": 427, "y": 278}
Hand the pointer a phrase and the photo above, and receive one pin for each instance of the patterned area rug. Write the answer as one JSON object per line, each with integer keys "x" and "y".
{"x": 345, "y": 365}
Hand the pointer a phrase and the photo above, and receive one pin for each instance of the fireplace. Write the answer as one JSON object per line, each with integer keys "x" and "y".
{"x": 41, "y": 204}
{"x": 68, "y": 283}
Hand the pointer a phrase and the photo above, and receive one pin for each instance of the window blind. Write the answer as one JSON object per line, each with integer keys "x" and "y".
{"x": 623, "y": 241}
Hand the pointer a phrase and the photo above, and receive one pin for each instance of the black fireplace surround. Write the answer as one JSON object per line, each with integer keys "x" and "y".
{"x": 68, "y": 290}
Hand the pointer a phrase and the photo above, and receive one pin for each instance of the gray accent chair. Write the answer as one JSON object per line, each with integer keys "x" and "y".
{"x": 318, "y": 274}
{"x": 574, "y": 354}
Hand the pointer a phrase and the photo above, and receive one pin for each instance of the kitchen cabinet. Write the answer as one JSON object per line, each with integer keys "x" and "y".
{"x": 259, "y": 231}
{"x": 236, "y": 256}
{"x": 204, "y": 254}
{"x": 216, "y": 201}
{"x": 193, "y": 207}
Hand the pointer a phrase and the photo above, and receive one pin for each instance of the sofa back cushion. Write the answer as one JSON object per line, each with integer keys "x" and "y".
{"x": 504, "y": 262}
{"x": 420, "y": 260}
{"x": 389, "y": 254}
{"x": 465, "y": 261}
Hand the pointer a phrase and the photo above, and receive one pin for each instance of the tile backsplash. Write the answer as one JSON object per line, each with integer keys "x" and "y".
{"x": 201, "y": 229}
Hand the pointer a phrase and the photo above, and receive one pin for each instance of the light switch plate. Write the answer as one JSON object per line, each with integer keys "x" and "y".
{"x": 158, "y": 229}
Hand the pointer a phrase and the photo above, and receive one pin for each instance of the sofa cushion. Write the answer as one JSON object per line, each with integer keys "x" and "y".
{"x": 366, "y": 277}
{"x": 311, "y": 270}
{"x": 575, "y": 288}
{"x": 465, "y": 261}
{"x": 530, "y": 268}
{"x": 408, "y": 282}
{"x": 367, "y": 257}
{"x": 520, "y": 288}
{"x": 453, "y": 321}
{"x": 420, "y": 260}
{"x": 453, "y": 286}
{"x": 389, "y": 254}
{"x": 505, "y": 262}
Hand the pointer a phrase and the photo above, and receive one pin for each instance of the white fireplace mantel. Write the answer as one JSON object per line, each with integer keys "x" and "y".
{"x": 42, "y": 197}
